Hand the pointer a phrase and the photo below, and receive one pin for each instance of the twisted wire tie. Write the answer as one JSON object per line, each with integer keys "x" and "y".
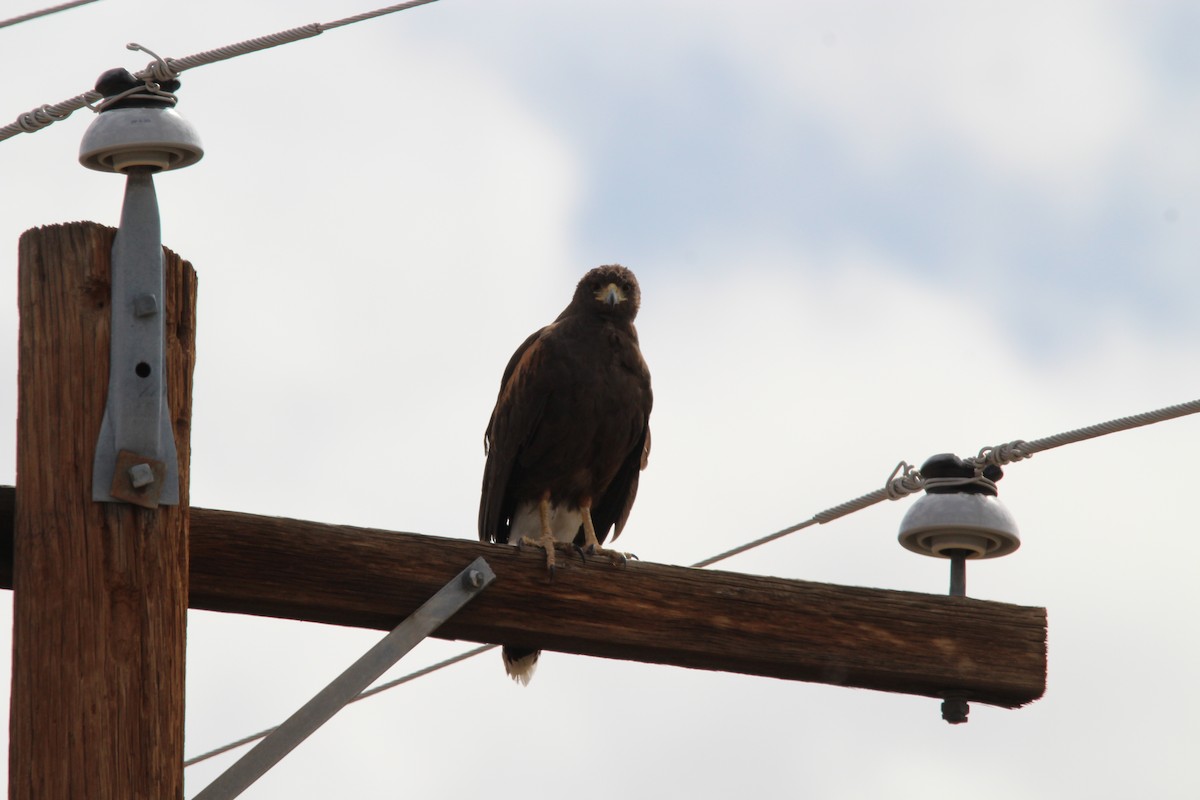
{"x": 904, "y": 480}
{"x": 41, "y": 117}
{"x": 1002, "y": 454}
{"x": 148, "y": 91}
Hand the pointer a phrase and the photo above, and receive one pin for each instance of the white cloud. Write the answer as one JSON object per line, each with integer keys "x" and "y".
{"x": 1047, "y": 96}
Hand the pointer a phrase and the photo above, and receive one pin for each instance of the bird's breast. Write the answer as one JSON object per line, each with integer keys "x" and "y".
{"x": 565, "y": 520}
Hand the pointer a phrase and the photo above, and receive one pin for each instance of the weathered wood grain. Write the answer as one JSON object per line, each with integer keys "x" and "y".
{"x": 100, "y": 589}
{"x": 705, "y": 619}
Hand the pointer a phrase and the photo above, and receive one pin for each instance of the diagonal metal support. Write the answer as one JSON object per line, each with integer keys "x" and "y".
{"x": 347, "y": 686}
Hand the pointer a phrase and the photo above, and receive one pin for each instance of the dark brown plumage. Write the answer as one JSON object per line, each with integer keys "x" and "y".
{"x": 570, "y": 431}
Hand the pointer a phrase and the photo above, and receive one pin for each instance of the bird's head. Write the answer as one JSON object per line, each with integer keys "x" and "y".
{"x": 611, "y": 291}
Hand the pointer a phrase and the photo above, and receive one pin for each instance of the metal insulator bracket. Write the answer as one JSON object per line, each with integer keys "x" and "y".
{"x": 136, "y": 461}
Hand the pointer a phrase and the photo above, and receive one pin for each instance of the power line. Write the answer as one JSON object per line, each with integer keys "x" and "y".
{"x": 4, "y": 23}
{"x": 374, "y": 690}
{"x": 904, "y": 480}
{"x": 161, "y": 70}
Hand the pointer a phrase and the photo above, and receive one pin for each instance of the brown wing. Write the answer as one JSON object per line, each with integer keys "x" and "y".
{"x": 514, "y": 420}
{"x": 613, "y": 509}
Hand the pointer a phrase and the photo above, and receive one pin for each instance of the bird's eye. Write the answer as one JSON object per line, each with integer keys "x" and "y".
{"x": 626, "y": 286}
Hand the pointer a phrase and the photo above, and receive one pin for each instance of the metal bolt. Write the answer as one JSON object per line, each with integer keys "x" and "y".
{"x": 473, "y": 579}
{"x": 145, "y": 305}
{"x": 958, "y": 572}
{"x": 955, "y": 710}
{"x": 141, "y": 475}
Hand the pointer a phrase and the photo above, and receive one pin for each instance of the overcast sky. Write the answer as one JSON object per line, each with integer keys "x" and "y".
{"x": 865, "y": 232}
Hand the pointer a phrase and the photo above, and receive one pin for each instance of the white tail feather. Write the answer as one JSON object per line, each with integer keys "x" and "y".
{"x": 521, "y": 669}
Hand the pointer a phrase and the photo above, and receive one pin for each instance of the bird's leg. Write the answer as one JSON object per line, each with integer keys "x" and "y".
{"x": 591, "y": 544}
{"x": 546, "y": 542}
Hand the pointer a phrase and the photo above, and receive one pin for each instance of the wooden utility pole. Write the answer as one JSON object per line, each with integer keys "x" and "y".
{"x": 100, "y": 588}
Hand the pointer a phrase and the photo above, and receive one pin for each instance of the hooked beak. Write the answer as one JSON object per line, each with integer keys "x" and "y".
{"x": 611, "y": 295}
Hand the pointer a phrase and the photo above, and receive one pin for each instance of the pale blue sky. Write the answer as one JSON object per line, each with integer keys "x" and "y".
{"x": 1038, "y": 157}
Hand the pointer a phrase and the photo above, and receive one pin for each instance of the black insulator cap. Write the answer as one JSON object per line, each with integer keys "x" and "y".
{"x": 114, "y": 81}
{"x": 948, "y": 465}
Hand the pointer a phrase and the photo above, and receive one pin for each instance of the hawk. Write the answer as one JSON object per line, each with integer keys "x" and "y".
{"x": 570, "y": 432}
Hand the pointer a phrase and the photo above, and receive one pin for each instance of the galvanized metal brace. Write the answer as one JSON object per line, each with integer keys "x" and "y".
{"x": 347, "y": 686}
{"x": 136, "y": 460}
